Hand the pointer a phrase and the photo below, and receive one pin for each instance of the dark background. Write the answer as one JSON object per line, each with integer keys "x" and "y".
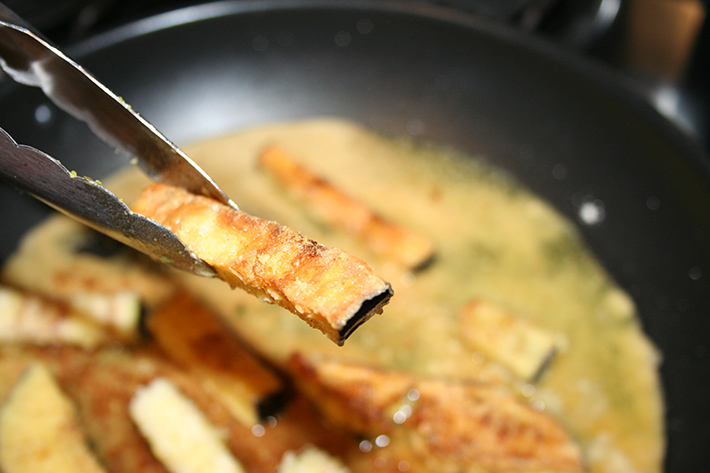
{"x": 661, "y": 46}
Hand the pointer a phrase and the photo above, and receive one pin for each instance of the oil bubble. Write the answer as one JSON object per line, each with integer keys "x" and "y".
{"x": 343, "y": 38}
{"x": 592, "y": 212}
{"x": 43, "y": 114}
{"x": 365, "y": 26}
{"x": 365, "y": 446}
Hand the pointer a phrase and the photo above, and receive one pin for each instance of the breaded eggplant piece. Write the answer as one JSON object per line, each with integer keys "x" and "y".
{"x": 384, "y": 237}
{"x": 524, "y": 349}
{"x": 194, "y": 338}
{"x": 438, "y": 425}
{"x": 26, "y": 317}
{"x": 39, "y": 430}
{"x": 179, "y": 434}
{"x": 330, "y": 289}
{"x": 51, "y": 261}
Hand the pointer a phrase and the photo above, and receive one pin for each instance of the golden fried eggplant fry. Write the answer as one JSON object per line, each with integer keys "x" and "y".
{"x": 331, "y": 290}
{"x": 63, "y": 260}
{"x": 118, "y": 312}
{"x": 39, "y": 431}
{"x": 26, "y": 317}
{"x": 521, "y": 347}
{"x": 438, "y": 425}
{"x": 331, "y": 204}
{"x": 179, "y": 434}
{"x": 193, "y": 337}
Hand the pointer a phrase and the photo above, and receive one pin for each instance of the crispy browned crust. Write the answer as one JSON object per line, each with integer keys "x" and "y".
{"x": 194, "y": 338}
{"x": 439, "y": 425}
{"x": 382, "y": 236}
{"x": 328, "y": 288}
{"x": 39, "y": 429}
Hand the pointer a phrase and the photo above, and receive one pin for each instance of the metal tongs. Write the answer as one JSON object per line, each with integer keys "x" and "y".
{"x": 31, "y": 60}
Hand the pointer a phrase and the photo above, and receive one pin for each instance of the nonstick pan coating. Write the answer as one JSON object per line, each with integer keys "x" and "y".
{"x": 569, "y": 130}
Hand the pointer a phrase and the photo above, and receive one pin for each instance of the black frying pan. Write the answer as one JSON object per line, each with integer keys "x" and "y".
{"x": 567, "y": 129}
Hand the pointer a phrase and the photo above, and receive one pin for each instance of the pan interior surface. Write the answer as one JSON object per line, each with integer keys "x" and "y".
{"x": 570, "y": 132}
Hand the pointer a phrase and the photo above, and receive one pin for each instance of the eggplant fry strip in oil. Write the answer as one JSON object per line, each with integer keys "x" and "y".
{"x": 382, "y": 236}
{"x": 40, "y": 429}
{"x": 438, "y": 424}
{"x": 193, "y": 337}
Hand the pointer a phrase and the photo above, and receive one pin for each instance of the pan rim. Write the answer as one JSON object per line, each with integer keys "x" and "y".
{"x": 622, "y": 88}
